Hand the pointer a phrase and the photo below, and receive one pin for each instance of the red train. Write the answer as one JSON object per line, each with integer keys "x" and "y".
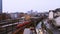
{"x": 23, "y": 24}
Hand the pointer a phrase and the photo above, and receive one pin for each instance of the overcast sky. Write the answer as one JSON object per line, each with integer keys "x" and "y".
{"x": 26, "y": 5}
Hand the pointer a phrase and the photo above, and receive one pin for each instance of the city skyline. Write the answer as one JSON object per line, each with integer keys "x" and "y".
{"x": 12, "y": 6}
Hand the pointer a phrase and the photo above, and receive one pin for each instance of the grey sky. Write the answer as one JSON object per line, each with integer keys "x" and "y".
{"x": 26, "y": 5}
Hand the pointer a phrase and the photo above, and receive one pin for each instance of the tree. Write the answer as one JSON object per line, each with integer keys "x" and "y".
{"x": 3, "y": 16}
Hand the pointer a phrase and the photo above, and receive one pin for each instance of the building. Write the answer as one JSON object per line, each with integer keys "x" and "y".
{"x": 13, "y": 15}
{"x": 0, "y": 6}
{"x": 20, "y": 15}
{"x": 0, "y": 9}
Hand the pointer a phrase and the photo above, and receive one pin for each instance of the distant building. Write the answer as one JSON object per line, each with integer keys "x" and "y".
{"x": 20, "y": 15}
{"x": 46, "y": 14}
{"x": 14, "y": 15}
{"x": 0, "y": 6}
{"x": 30, "y": 12}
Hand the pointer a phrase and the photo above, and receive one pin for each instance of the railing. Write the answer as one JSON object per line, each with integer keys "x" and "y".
{"x": 5, "y": 29}
{"x": 8, "y": 27}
